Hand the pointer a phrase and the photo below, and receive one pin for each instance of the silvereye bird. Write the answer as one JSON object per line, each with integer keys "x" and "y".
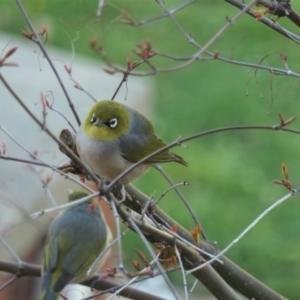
{"x": 76, "y": 237}
{"x": 114, "y": 136}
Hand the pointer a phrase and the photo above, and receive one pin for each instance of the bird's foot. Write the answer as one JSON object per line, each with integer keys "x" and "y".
{"x": 120, "y": 192}
{"x": 109, "y": 272}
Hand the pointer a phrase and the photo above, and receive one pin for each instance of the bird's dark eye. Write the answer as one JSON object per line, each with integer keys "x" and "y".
{"x": 93, "y": 119}
{"x": 113, "y": 123}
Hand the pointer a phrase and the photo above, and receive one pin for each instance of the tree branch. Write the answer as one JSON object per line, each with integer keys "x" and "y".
{"x": 35, "y": 271}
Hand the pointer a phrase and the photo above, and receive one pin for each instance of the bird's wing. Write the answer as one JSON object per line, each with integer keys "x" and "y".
{"x": 141, "y": 141}
{"x": 90, "y": 241}
{"x": 136, "y": 147}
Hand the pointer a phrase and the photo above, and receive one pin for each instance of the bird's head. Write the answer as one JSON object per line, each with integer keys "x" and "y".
{"x": 107, "y": 120}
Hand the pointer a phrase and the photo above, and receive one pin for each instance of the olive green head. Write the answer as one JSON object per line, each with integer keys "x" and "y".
{"x": 107, "y": 120}
{"x": 77, "y": 195}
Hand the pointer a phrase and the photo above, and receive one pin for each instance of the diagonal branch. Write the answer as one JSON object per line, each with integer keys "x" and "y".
{"x": 271, "y": 24}
{"x": 235, "y": 276}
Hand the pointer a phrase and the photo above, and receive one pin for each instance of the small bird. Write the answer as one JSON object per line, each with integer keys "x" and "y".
{"x": 114, "y": 136}
{"x": 75, "y": 239}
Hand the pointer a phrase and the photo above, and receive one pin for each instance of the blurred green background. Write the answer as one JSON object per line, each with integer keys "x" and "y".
{"x": 230, "y": 173}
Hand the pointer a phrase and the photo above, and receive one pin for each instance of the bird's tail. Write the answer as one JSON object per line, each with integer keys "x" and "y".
{"x": 49, "y": 295}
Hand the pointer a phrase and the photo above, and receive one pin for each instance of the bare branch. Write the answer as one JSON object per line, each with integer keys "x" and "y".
{"x": 194, "y": 136}
{"x": 268, "y": 22}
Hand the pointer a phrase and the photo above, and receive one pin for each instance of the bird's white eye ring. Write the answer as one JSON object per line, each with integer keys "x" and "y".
{"x": 113, "y": 123}
{"x": 93, "y": 119}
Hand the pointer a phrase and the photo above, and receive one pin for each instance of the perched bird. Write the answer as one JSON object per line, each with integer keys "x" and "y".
{"x": 76, "y": 237}
{"x": 114, "y": 136}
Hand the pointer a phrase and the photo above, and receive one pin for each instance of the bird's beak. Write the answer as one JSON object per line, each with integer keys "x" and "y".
{"x": 99, "y": 123}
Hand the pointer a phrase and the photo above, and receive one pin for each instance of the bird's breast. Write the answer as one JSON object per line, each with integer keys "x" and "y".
{"x": 105, "y": 158}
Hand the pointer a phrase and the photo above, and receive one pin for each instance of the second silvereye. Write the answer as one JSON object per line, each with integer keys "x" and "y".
{"x": 114, "y": 136}
{"x": 75, "y": 239}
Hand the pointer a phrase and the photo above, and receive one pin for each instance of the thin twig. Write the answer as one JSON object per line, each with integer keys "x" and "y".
{"x": 101, "y": 5}
{"x": 63, "y": 116}
{"x": 11, "y": 251}
{"x": 27, "y": 161}
{"x": 193, "y": 286}
{"x": 184, "y": 183}
{"x": 184, "y": 200}
{"x": 182, "y": 272}
{"x": 68, "y": 204}
{"x": 102, "y": 255}
{"x": 119, "y": 235}
{"x": 44, "y": 182}
{"x": 8, "y": 282}
{"x": 261, "y": 216}
{"x": 165, "y": 15}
